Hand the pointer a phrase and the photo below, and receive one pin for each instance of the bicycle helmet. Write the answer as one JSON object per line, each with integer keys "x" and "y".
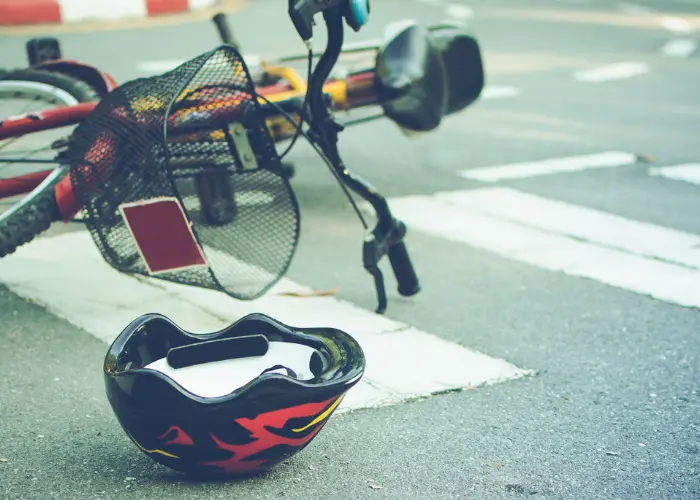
{"x": 218, "y": 403}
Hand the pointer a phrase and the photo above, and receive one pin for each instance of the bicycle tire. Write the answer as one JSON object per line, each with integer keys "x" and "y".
{"x": 37, "y": 211}
{"x": 33, "y": 215}
{"x": 78, "y": 89}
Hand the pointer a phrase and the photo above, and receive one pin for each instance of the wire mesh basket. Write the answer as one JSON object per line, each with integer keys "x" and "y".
{"x": 180, "y": 179}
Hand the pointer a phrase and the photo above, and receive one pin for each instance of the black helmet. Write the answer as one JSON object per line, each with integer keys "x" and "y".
{"x": 243, "y": 428}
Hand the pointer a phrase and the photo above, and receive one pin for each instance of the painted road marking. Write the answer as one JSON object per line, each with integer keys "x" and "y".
{"x": 67, "y": 275}
{"x": 552, "y": 166}
{"x": 85, "y": 10}
{"x": 677, "y": 25}
{"x": 158, "y": 67}
{"x": 679, "y": 47}
{"x": 617, "y": 71}
{"x": 535, "y": 236}
{"x": 632, "y": 8}
{"x": 639, "y": 238}
{"x": 201, "y": 4}
{"x": 689, "y": 172}
{"x": 458, "y": 11}
{"x": 499, "y": 92}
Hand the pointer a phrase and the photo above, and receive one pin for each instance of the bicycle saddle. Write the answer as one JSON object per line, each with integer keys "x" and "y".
{"x": 424, "y": 74}
{"x": 463, "y": 65}
{"x": 412, "y": 79}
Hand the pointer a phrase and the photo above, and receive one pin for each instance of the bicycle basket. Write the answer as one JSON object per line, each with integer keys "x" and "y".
{"x": 180, "y": 179}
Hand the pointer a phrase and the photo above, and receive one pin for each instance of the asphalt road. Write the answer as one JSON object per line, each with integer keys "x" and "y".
{"x": 612, "y": 411}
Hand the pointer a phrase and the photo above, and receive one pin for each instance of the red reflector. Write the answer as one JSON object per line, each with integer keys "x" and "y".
{"x": 163, "y": 235}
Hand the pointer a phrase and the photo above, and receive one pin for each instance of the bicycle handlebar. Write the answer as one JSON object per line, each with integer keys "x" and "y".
{"x": 302, "y": 13}
{"x": 403, "y": 269}
{"x": 387, "y": 236}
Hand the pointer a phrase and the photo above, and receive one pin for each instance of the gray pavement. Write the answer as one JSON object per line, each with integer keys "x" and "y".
{"x": 612, "y": 411}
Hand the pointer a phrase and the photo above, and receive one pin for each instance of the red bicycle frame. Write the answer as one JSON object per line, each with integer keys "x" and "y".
{"x": 359, "y": 92}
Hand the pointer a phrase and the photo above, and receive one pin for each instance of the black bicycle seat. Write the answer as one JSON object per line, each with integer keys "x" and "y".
{"x": 463, "y": 65}
{"x": 412, "y": 79}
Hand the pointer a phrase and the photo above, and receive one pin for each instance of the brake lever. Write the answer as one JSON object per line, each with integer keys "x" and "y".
{"x": 376, "y": 245}
{"x": 371, "y": 255}
{"x": 302, "y": 13}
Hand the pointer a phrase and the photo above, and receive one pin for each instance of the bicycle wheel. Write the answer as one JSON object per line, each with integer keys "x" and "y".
{"x": 23, "y": 218}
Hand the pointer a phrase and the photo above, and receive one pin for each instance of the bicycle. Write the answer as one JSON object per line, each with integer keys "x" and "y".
{"x": 415, "y": 81}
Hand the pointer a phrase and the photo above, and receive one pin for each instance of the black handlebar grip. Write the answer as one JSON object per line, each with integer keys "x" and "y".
{"x": 403, "y": 270}
{"x": 223, "y": 28}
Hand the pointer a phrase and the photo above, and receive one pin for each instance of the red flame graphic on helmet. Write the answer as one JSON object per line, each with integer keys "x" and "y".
{"x": 181, "y": 437}
{"x": 264, "y": 439}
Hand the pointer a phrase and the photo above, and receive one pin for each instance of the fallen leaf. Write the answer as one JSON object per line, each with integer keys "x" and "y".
{"x": 313, "y": 293}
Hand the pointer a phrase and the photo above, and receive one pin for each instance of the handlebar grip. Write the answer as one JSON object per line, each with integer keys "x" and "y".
{"x": 403, "y": 269}
{"x": 223, "y": 28}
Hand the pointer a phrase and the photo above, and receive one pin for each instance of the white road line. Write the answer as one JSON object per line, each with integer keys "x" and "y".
{"x": 526, "y": 240}
{"x": 677, "y": 25}
{"x": 496, "y": 92}
{"x": 66, "y": 275}
{"x": 689, "y": 172}
{"x": 82, "y": 10}
{"x": 165, "y": 65}
{"x": 552, "y": 166}
{"x": 617, "y": 71}
{"x": 640, "y": 238}
{"x": 679, "y": 47}
{"x": 158, "y": 67}
{"x": 201, "y": 4}
{"x": 632, "y": 8}
{"x": 458, "y": 11}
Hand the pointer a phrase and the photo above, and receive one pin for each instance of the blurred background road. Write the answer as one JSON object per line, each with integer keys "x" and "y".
{"x": 571, "y": 248}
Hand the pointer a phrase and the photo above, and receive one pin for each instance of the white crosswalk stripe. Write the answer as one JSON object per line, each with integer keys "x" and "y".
{"x": 66, "y": 275}
{"x": 552, "y": 235}
{"x": 632, "y": 255}
{"x": 689, "y": 172}
{"x": 608, "y": 159}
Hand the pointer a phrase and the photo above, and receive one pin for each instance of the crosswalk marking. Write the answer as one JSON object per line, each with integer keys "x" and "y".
{"x": 66, "y": 275}
{"x": 458, "y": 11}
{"x": 81, "y": 10}
{"x": 550, "y": 166}
{"x": 679, "y": 47}
{"x": 677, "y": 25}
{"x": 602, "y": 228}
{"x": 688, "y": 172}
{"x": 532, "y": 232}
{"x": 617, "y": 71}
{"x": 632, "y": 8}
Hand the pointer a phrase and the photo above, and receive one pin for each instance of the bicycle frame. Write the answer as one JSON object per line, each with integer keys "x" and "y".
{"x": 351, "y": 92}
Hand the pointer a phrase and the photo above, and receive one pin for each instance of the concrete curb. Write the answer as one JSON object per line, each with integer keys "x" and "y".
{"x": 30, "y": 12}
